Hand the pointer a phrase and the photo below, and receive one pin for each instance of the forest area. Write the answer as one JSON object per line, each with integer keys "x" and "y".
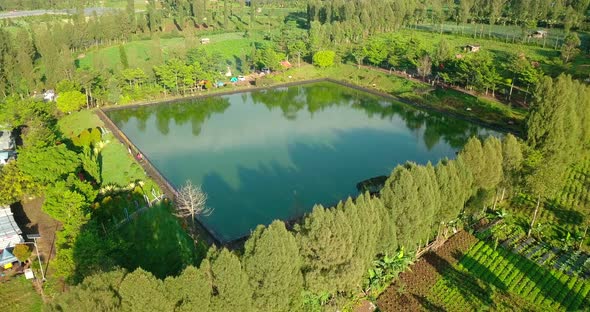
{"x": 528, "y": 77}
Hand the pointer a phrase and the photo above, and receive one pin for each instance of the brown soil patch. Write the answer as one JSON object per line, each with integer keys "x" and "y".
{"x": 32, "y": 220}
{"x": 409, "y": 292}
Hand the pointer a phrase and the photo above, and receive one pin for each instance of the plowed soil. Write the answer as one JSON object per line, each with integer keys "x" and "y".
{"x": 409, "y": 292}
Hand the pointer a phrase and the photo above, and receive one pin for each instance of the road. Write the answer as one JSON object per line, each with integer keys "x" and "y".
{"x": 87, "y": 11}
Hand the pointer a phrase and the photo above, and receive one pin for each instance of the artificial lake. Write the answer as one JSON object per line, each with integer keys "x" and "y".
{"x": 273, "y": 154}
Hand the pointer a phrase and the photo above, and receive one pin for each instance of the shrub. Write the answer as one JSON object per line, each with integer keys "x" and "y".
{"x": 22, "y": 252}
{"x": 324, "y": 58}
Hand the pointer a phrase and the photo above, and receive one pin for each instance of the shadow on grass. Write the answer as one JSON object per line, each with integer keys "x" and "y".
{"x": 153, "y": 240}
{"x": 464, "y": 282}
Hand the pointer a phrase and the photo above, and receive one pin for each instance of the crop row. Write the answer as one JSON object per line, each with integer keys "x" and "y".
{"x": 521, "y": 277}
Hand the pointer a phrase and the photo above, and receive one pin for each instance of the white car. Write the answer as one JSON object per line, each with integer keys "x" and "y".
{"x": 241, "y": 78}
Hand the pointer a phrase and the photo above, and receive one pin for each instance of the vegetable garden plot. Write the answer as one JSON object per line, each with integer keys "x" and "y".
{"x": 486, "y": 277}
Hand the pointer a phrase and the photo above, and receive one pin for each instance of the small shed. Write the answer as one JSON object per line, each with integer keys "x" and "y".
{"x": 539, "y": 34}
{"x": 10, "y": 233}
{"x": 472, "y": 48}
{"x": 205, "y": 40}
{"x": 6, "y": 257}
{"x": 286, "y": 64}
{"x": 6, "y": 141}
{"x": 49, "y": 95}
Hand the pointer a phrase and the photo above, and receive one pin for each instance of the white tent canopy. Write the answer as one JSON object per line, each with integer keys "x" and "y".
{"x": 10, "y": 233}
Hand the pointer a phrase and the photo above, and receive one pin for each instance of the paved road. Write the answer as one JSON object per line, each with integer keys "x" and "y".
{"x": 87, "y": 11}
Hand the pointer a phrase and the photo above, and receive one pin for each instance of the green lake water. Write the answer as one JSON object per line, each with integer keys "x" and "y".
{"x": 273, "y": 154}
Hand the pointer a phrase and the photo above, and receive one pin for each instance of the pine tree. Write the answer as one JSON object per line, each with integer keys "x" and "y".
{"x": 141, "y": 291}
{"x": 492, "y": 169}
{"x": 512, "y": 162}
{"x": 272, "y": 261}
{"x": 473, "y": 159}
{"x": 366, "y": 238}
{"x": 191, "y": 290}
{"x": 326, "y": 246}
{"x": 400, "y": 196}
{"x": 555, "y": 130}
{"x": 451, "y": 191}
{"x": 230, "y": 284}
{"x": 123, "y": 57}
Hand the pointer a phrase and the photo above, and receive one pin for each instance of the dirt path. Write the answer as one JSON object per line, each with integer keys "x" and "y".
{"x": 409, "y": 292}
{"x": 33, "y": 220}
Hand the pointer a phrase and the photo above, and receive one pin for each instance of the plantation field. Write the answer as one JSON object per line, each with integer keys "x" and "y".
{"x": 562, "y": 215}
{"x": 142, "y": 53}
{"x": 484, "y": 278}
{"x": 548, "y": 57}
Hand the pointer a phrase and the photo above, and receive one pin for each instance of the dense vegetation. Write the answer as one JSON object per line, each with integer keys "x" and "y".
{"x": 89, "y": 182}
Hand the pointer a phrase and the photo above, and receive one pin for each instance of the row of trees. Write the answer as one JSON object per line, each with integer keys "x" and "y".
{"x": 329, "y": 254}
{"x": 67, "y": 173}
{"x": 352, "y": 20}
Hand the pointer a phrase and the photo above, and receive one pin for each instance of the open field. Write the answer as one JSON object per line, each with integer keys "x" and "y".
{"x": 18, "y": 295}
{"x": 480, "y": 277}
{"x": 228, "y": 46}
{"x": 548, "y": 57}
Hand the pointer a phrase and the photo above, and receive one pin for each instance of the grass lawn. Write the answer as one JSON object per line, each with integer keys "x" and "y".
{"x": 229, "y": 46}
{"x": 158, "y": 243}
{"x": 19, "y": 295}
{"x": 118, "y": 167}
{"x": 74, "y": 123}
{"x": 548, "y": 57}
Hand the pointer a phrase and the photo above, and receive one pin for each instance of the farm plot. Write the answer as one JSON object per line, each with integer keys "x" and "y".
{"x": 485, "y": 277}
{"x": 458, "y": 277}
{"x": 409, "y": 291}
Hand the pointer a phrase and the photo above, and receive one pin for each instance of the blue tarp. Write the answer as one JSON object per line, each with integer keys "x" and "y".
{"x": 7, "y": 257}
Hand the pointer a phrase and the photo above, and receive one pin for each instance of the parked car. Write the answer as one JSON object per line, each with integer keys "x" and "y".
{"x": 241, "y": 78}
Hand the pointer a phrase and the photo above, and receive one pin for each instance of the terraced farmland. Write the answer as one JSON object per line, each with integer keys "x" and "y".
{"x": 484, "y": 278}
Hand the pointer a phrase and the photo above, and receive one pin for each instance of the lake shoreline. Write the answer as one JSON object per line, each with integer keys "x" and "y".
{"x": 239, "y": 89}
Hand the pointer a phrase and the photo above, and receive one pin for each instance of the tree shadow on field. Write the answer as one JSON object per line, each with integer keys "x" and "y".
{"x": 563, "y": 214}
{"x": 299, "y": 17}
{"x": 427, "y": 304}
{"x": 465, "y": 283}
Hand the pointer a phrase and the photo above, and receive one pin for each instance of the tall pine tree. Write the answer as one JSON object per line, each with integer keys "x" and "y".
{"x": 272, "y": 261}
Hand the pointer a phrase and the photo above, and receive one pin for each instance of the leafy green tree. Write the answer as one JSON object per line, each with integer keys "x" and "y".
{"x": 47, "y": 165}
{"x": 297, "y": 48}
{"x": 324, "y": 58}
{"x": 376, "y": 51}
{"x": 424, "y": 67}
{"x": 14, "y": 184}
{"x": 230, "y": 284}
{"x": 70, "y": 101}
{"x": 141, "y": 291}
{"x": 272, "y": 261}
{"x": 67, "y": 85}
{"x": 569, "y": 49}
